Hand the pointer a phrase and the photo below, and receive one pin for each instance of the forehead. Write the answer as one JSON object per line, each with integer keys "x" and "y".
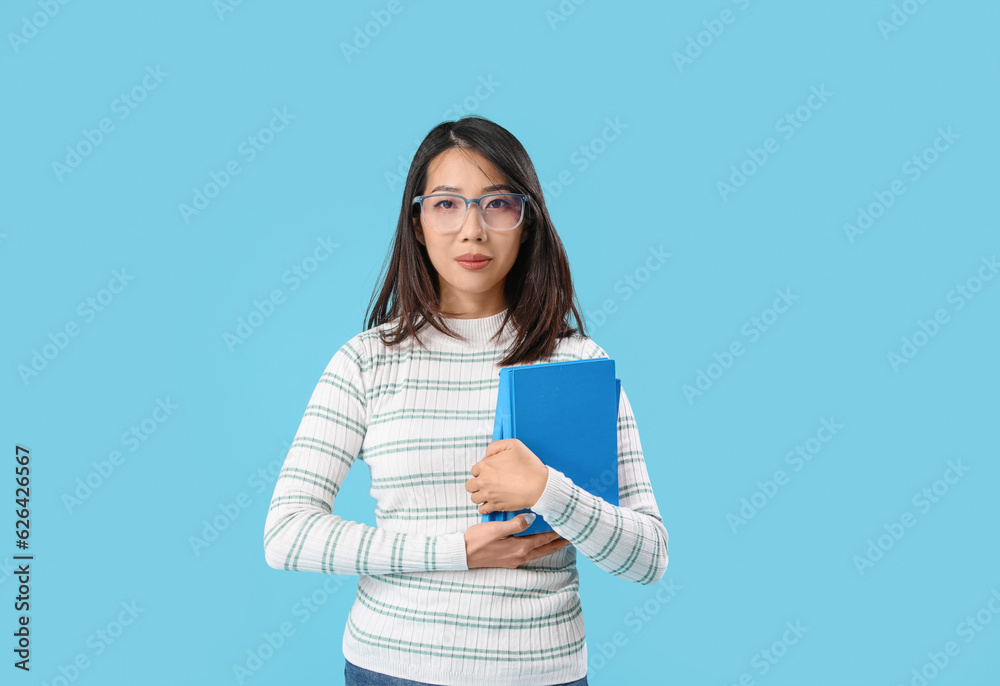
{"x": 460, "y": 167}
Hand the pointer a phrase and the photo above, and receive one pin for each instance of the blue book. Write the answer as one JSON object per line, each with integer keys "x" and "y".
{"x": 567, "y": 414}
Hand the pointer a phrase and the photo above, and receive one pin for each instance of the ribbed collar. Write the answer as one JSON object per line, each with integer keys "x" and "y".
{"x": 476, "y": 331}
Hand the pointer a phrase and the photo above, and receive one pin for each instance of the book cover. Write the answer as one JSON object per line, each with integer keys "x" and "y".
{"x": 567, "y": 414}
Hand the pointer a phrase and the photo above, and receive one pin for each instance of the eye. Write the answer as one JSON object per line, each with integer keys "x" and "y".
{"x": 444, "y": 204}
{"x": 498, "y": 204}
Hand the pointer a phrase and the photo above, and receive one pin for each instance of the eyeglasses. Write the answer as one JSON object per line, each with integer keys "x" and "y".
{"x": 447, "y": 211}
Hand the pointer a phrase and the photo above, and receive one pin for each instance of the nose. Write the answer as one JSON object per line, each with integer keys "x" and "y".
{"x": 473, "y": 224}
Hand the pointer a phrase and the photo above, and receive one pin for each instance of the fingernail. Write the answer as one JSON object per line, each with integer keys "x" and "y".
{"x": 530, "y": 517}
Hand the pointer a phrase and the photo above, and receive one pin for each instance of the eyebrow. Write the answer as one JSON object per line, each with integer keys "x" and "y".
{"x": 486, "y": 189}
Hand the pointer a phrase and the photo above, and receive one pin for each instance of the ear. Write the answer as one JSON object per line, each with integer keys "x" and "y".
{"x": 524, "y": 235}
{"x": 418, "y": 231}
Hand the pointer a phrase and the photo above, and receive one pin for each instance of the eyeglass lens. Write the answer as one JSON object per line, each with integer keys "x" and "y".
{"x": 447, "y": 212}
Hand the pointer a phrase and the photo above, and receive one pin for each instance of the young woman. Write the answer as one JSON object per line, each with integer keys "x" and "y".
{"x": 478, "y": 280}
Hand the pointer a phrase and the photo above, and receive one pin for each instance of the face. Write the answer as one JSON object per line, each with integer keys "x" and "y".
{"x": 468, "y": 292}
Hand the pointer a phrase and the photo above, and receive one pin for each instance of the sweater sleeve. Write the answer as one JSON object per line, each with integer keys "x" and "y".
{"x": 301, "y": 531}
{"x": 628, "y": 540}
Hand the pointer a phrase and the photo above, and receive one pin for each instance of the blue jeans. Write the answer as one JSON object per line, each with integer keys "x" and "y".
{"x": 359, "y": 676}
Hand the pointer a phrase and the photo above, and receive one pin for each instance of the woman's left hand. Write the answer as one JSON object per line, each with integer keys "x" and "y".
{"x": 509, "y": 477}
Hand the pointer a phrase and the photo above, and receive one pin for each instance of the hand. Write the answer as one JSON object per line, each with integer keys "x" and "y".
{"x": 493, "y": 544}
{"x": 510, "y": 477}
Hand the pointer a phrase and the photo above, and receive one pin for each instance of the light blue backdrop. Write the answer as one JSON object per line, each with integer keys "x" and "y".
{"x": 782, "y": 223}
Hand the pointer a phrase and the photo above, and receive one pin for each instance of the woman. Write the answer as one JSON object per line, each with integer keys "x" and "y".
{"x": 478, "y": 280}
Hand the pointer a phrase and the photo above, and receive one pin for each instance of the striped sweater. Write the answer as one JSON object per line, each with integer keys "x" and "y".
{"x": 420, "y": 419}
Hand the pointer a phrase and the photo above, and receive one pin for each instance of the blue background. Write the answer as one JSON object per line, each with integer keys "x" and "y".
{"x": 817, "y": 552}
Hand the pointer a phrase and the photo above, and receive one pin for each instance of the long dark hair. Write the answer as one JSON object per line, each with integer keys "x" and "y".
{"x": 538, "y": 289}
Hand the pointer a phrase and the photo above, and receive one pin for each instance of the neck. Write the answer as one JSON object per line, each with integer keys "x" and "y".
{"x": 477, "y": 330}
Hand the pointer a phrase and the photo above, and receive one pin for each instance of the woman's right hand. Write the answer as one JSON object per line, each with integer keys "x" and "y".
{"x": 493, "y": 544}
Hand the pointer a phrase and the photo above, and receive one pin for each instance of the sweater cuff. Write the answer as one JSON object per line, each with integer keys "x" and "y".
{"x": 451, "y": 555}
{"x": 556, "y": 497}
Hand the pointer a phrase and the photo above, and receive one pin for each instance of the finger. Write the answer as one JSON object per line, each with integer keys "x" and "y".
{"x": 551, "y": 535}
{"x": 547, "y": 549}
{"x": 496, "y": 446}
{"x": 544, "y": 537}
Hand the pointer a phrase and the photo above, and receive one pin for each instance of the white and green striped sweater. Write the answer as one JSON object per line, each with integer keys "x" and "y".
{"x": 420, "y": 419}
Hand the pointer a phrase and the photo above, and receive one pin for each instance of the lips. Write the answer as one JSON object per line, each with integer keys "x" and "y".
{"x": 473, "y": 262}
